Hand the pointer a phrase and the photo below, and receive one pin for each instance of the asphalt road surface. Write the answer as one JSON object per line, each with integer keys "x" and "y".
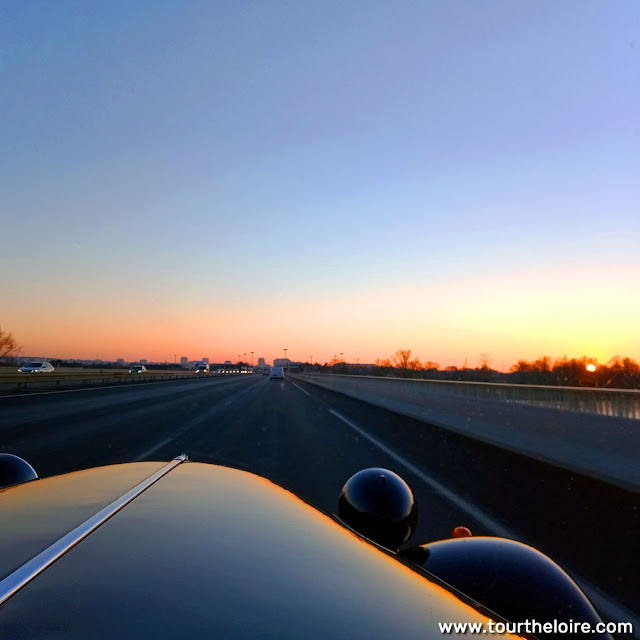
{"x": 311, "y": 440}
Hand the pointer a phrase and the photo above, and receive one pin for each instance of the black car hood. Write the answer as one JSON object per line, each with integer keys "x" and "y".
{"x": 212, "y": 552}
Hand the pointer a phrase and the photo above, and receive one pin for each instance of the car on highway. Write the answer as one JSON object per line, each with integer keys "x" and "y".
{"x": 138, "y": 368}
{"x": 277, "y": 373}
{"x": 36, "y": 367}
{"x": 202, "y": 367}
{"x": 193, "y": 550}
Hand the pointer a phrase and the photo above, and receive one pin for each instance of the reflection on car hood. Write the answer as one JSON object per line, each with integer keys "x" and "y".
{"x": 208, "y": 552}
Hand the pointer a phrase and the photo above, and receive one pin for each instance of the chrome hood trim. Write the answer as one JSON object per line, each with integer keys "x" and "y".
{"x": 31, "y": 569}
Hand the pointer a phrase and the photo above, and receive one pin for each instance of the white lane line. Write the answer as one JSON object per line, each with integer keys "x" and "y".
{"x": 607, "y": 607}
{"x": 187, "y": 426}
{"x": 301, "y": 389}
{"x": 234, "y": 397}
{"x": 464, "y": 505}
{"x": 155, "y": 448}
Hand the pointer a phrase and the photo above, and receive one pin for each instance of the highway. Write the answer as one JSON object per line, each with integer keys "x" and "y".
{"x": 311, "y": 440}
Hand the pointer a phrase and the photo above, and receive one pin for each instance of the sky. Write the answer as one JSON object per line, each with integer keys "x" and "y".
{"x": 209, "y": 179}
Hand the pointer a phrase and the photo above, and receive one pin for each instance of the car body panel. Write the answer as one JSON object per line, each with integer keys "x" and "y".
{"x": 210, "y": 552}
{"x": 36, "y": 514}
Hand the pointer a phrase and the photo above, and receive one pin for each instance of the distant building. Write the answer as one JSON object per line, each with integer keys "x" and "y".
{"x": 205, "y": 360}
{"x": 261, "y": 362}
{"x": 281, "y": 362}
{"x": 184, "y": 361}
{"x": 143, "y": 361}
{"x": 227, "y": 361}
{"x": 120, "y": 361}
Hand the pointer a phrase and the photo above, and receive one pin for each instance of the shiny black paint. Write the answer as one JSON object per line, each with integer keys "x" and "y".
{"x": 379, "y": 504}
{"x": 15, "y": 470}
{"x": 214, "y": 552}
{"x": 509, "y": 578}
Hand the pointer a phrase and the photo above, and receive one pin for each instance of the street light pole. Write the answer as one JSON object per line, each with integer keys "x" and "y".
{"x": 285, "y": 356}
{"x": 252, "y": 358}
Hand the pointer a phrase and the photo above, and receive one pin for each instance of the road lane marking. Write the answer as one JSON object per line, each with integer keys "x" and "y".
{"x": 464, "y": 505}
{"x": 234, "y": 397}
{"x": 155, "y": 448}
{"x": 190, "y": 424}
{"x": 608, "y": 607}
{"x": 301, "y": 389}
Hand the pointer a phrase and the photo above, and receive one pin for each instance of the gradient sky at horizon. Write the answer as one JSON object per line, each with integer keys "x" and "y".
{"x": 211, "y": 179}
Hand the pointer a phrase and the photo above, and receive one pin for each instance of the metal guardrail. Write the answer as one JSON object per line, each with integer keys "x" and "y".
{"x": 25, "y": 381}
{"x": 622, "y": 403}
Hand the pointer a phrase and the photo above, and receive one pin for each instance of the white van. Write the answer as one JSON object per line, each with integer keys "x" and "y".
{"x": 202, "y": 367}
{"x": 277, "y": 373}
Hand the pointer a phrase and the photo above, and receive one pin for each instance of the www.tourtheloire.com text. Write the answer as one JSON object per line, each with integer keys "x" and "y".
{"x": 533, "y": 627}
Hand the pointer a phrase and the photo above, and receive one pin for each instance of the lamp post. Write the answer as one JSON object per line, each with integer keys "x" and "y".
{"x": 252, "y": 358}
{"x": 285, "y": 356}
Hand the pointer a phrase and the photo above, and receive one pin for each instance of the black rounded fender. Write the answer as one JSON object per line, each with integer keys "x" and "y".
{"x": 512, "y": 579}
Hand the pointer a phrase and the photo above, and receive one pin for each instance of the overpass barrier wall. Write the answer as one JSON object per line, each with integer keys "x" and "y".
{"x": 595, "y": 432}
{"x": 622, "y": 403}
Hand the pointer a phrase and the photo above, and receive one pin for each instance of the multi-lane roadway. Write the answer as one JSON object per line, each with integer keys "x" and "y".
{"x": 311, "y": 440}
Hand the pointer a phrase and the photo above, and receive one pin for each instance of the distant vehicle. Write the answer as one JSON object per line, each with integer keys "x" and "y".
{"x": 265, "y": 372}
{"x": 36, "y": 367}
{"x": 277, "y": 373}
{"x": 138, "y": 368}
{"x": 202, "y": 367}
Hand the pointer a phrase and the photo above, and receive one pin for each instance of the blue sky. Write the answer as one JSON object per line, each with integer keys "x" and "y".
{"x": 333, "y": 160}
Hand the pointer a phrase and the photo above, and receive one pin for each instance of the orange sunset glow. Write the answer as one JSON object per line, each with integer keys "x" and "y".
{"x": 213, "y": 207}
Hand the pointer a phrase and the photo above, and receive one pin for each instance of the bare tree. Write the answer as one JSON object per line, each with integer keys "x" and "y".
{"x": 401, "y": 358}
{"x": 8, "y": 345}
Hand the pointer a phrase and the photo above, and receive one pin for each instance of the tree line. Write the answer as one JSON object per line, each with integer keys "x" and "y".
{"x": 619, "y": 373}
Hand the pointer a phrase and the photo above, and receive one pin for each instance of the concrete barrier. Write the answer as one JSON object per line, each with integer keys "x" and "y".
{"x": 599, "y": 445}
